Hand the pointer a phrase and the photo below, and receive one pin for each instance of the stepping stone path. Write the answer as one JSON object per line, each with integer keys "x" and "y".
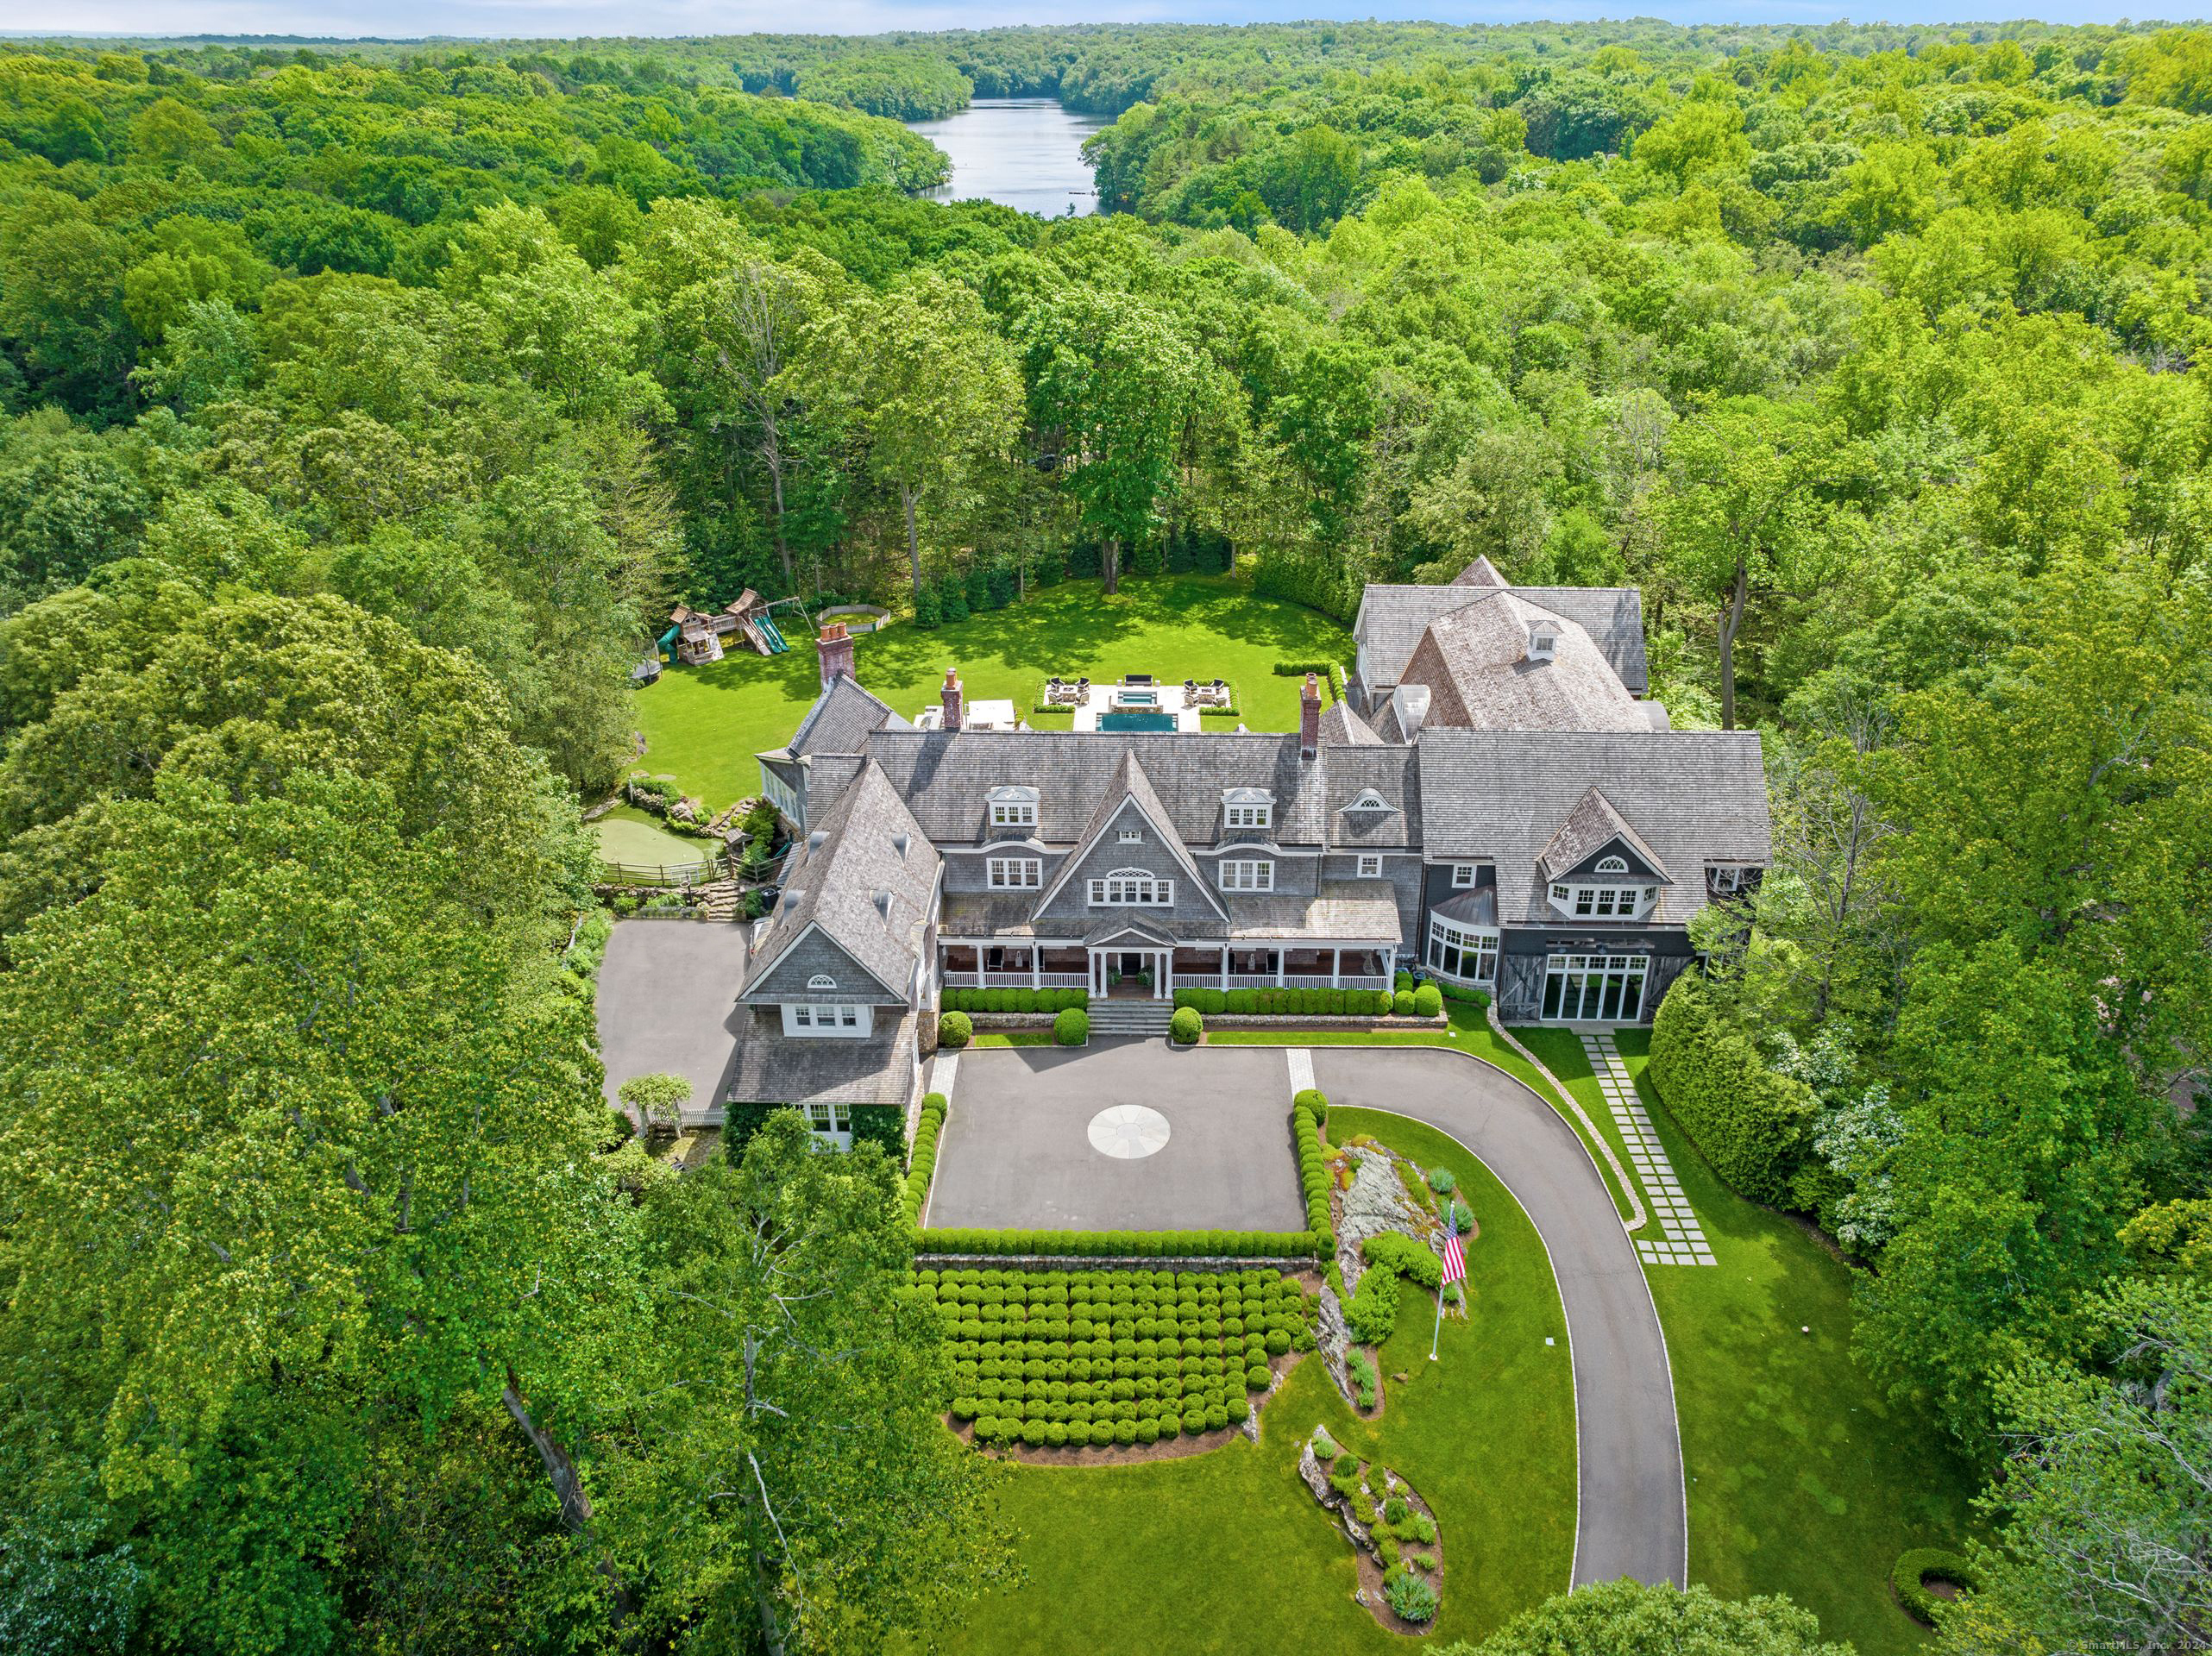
{"x": 1682, "y": 1239}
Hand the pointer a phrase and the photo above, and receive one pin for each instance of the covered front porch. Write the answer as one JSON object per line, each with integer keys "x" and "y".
{"x": 1143, "y": 963}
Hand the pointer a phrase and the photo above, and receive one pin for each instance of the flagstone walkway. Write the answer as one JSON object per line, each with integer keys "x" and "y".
{"x": 1682, "y": 1239}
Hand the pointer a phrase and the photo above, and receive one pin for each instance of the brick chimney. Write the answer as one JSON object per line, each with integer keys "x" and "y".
{"x": 950, "y": 695}
{"x": 1310, "y": 718}
{"x": 835, "y": 647}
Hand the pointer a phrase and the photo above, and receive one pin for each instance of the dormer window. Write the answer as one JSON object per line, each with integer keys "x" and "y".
{"x": 1611, "y": 865}
{"x": 1605, "y": 902}
{"x": 1368, "y": 799}
{"x": 1248, "y": 808}
{"x": 1012, "y": 807}
{"x": 1543, "y": 637}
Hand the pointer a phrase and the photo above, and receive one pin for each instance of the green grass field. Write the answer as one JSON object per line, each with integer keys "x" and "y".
{"x": 703, "y": 725}
{"x": 1804, "y": 1479}
{"x": 629, "y": 835}
{"x": 1226, "y": 1551}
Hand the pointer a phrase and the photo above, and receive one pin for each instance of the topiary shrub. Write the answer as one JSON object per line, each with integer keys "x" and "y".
{"x": 955, "y": 1030}
{"x": 1312, "y": 1099}
{"x": 1909, "y": 1580}
{"x": 1410, "y": 1598}
{"x": 1401, "y": 1002}
{"x": 1428, "y": 1001}
{"x": 1395, "y": 1251}
{"x": 1402, "y": 983}
{"x": 1751, "y": 1122}
{"x": 1070, "y": 1027}
{"x": 1185, "y": 1026}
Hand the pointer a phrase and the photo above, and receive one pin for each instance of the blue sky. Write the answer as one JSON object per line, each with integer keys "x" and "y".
{"x": 565, "y": 18}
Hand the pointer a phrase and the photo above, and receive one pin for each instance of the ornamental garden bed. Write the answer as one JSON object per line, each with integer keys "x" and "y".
{"x": 1098, "y": 1367}
{"x": 1394, "y": 1536}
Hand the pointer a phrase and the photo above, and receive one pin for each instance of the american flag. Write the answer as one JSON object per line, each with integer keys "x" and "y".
{"x": 1455, "y": 1260}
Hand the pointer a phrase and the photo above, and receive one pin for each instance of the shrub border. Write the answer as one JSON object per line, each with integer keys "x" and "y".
{"x": 1906, "y": 1575}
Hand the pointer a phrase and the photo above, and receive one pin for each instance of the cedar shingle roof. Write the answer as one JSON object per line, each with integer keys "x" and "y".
{"x": 841, "y": 718}
{"x": 1393, "y": 618}
{"x": 1474, "y": 660}
{"x": 852, "y": 877}
{"x": 1342, "y": 728}
{"x": 1694, "y": 798}
{"x": 1594, "y": 823}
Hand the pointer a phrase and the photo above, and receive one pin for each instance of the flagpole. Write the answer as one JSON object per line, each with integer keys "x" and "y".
{"x": 1438, "y": 1334}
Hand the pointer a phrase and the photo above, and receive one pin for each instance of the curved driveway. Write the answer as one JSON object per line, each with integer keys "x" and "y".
{"x": 1632, "y": 1519}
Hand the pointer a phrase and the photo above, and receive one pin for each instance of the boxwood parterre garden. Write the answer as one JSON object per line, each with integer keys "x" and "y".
{"x": 1053, "y": 1359}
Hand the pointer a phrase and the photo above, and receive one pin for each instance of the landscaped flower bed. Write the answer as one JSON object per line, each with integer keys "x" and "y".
{"x": 1104, "y": 1359}
{"x": 1401, "y": 1553}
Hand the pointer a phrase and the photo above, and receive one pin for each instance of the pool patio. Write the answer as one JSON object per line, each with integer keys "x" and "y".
{"x": 1137, "y": 704}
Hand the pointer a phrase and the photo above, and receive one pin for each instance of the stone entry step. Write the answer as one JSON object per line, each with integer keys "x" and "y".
{"x": 1131, "y": 1017}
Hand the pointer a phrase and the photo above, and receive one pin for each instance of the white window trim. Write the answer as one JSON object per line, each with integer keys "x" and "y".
{"x": 1247, "y": 873}
{"x": 825, "y": 1020}
{"x": 1726, "y": 879}
{"x": 1129, "y": 835}
{"x": 1582, "y": 901}
{"x": 832, "y": 1122}
{"x": 1014, "y": 873}
{"x": 1369, "y": 866}
{"x": 1247, "y": 807}
{"x": 821, "y": 980}
{"x": 1610, "y": 865}
{"x": 1120, "y": 889}
{"x": 1463, "y": 877}
{"x": 1012, "y": 808}
{"x": 1480, "y": 941}
{"x": 1368, "y": 799}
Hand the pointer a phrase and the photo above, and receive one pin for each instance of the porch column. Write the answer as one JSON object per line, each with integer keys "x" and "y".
{"x": 1282, "y": 961}
{"x": 1163, "y": 979}
{"x": 1036, "y": 967}
{"x": 1337, "y": 967}
{"x": 1224, "y": 968}
{"x": 1390, "y": 965}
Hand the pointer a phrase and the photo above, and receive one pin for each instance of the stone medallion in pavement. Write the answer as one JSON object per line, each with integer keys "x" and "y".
{"x": 1128, "y": 1132}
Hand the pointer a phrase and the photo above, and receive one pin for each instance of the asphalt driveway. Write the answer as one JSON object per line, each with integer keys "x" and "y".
{"x": 1631, "y": 1518}
{"x": 667, "y": 993}
{"x": 1016, "y": 1153}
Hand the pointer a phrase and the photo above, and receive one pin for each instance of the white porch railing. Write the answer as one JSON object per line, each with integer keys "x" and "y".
{"x": 1014, "y": 979}
{"x": 1288, "y": 981}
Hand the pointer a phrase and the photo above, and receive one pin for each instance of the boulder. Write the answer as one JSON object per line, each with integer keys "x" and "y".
{"x": 1315, "y": 1478}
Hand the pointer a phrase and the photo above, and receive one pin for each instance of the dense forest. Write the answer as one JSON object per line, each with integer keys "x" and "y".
{"x": 365, "y": 406}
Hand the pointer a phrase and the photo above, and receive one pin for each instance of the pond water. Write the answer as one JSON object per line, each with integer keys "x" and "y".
{"x": 1025, "y": 151}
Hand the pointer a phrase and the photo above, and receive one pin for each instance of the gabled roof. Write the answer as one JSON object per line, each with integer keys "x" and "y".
{"x": 1474, "y": 660}
{"x": 1129, "y": 786}
{"x": 1692, "y": 797}
{"x": 863, "y": 876}
{"x": 840, "y": 719}
{"x": 1342, "y": 728}
{"x": 1480, "y": 572}
{"x": 1591, "y": 826}
{"x": 1391, "y": 619}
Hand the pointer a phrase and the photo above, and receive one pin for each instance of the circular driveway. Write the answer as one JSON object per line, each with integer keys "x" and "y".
{"x": 1631, "y": 1518}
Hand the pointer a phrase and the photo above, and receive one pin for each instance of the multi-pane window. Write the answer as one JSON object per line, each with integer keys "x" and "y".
{"x": 1014, "y": 813}
{"x": 1462, "y": 951}
{"x": 829, "y": 1117}
{"x": 1239, "y": 874}
{"x": 1014, "y": 873}
{"x": 1250, "y": 816}
{"x": 1130, "y": 836}
{"x": 1611, "y": 865}
{"x": 1463, "y": 876}
{"x": 1726, "y": 879}
{"x": 1132, "y": 888}
{"x": 1370, "y": 866}
{"x": 807, "y": 1018}
{"x": 1607, "y": 989}
{"x": 1605, "y": 902}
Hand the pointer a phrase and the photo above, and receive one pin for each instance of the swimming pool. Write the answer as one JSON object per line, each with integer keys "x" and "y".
{"x": 1136, "y": 721}
{"x": 1136, "y": 699}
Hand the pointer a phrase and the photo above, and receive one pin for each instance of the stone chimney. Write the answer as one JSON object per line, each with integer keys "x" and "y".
{"x": 950, "y": 695}
{"x": 1310, "y": 718}
{"x": 835, "y": 649}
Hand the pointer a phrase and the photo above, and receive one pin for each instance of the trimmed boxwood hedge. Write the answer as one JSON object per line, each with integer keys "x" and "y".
{"x": 1129, "y": 1245}
{"x": 1070, "y": 1027}
{"x": 1186, "y": 1026}
{"x": 1289, "y": 1002}
{"x": 1750, "y": 1123}
{"x": 1908, "y": 1579}
{"x": 954, "y": 1031}
{"x": 1100, "y": 1357}
{"x": 1313, "y": 1167}
{"x": 924, "y": 1165}
{"x": 1013, "y": 999}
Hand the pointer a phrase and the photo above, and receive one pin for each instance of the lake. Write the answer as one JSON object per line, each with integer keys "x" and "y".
{"x": 1025, "y": 151}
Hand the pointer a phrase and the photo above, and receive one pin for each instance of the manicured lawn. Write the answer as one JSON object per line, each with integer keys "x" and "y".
{"x": 1012, "y": 1037}
{"x": 1226, "y": 1551}
{"x": 703, "y": 725}
{"x": 1804, "y": 1480}
{"x": 629, "y": 835}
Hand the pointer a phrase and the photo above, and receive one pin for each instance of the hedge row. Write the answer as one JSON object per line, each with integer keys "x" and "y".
{"x": 1750, "y": 1123}
{"x": 1054, "y": 1358}
{"x": 1302, "y": 1003}
{"x": 1910, "y": 1579}
{"x": 1130, "y": 1245}
{"x": 1313, "y": 1166}
{"x": 1012, "y": 1000}
{"x": 1394, "y": 1251}
{"x": 924, "y": 1166}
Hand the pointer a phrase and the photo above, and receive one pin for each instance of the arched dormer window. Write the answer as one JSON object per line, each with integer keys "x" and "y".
{"x": 1247, "y": 807}
{"x": 1012, "y": 807}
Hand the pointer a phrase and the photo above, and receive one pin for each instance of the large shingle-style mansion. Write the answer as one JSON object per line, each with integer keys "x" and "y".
{"x": 1493, "y": 802}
